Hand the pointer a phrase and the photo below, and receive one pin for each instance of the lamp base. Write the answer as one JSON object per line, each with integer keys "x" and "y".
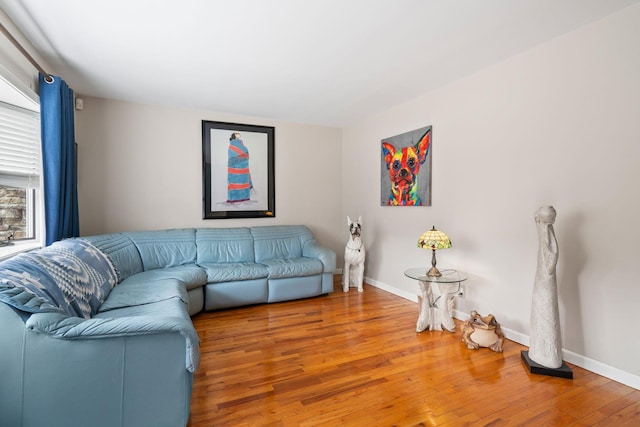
{"x": 433, "y": 272}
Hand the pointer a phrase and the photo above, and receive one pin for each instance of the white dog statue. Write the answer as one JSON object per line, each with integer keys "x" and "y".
{"x": 353, "y": 272}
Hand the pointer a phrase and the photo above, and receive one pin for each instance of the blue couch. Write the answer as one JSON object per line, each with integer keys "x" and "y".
{"x": 97, "y": 331}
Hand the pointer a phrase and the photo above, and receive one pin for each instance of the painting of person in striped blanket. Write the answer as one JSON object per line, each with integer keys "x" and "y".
{"x": 239, "y": 182}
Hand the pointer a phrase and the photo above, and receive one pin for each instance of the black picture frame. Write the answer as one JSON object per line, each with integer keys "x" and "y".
{"x": 238, "y": 173}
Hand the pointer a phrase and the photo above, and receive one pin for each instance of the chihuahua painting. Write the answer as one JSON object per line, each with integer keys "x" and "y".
{"x": 403, "y": 164}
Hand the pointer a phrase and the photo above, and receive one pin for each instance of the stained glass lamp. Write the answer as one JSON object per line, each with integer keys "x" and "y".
{"x": 434, "y": 240}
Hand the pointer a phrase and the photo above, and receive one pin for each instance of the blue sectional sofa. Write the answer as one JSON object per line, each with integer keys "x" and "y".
{"x": 96, "y": 331}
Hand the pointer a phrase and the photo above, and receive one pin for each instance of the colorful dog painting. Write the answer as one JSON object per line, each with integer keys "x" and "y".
{"x": 403, "y": 165}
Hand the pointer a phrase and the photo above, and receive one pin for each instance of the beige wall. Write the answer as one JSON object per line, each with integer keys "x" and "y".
{"x": 140, "y": 168}
{"x": 555, "y": 125}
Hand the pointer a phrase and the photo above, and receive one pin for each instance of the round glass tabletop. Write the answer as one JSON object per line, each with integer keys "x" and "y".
{"x": 448, "y": 276}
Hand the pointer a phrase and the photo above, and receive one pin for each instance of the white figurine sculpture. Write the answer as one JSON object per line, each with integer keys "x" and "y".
{"x": 354, "y": 255}
{"x": 545, "y": 347}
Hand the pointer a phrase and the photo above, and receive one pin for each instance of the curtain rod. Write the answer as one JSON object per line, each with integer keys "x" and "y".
{"x": 24, "y": 53}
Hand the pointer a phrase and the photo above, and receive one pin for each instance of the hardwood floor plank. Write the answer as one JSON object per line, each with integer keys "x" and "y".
{"x": 354, "y": 359}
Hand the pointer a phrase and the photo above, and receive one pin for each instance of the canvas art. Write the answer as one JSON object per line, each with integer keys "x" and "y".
{"x": 405, "y": 171}
{"x": 238, "y": 170}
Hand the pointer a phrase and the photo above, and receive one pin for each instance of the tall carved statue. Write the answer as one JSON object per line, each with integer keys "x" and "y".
{"x": 545, "y": 347}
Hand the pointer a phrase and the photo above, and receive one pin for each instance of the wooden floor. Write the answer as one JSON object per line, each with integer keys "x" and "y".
{"x": 351, "y": 359}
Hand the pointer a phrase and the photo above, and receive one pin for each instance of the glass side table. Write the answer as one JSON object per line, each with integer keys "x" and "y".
{"x": 435, "y": 309}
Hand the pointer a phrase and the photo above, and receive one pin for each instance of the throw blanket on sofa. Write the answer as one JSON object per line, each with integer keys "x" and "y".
{"x": 71, "y": 277}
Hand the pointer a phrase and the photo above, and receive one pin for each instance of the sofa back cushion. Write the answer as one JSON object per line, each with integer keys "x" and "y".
{"x": 280, "y": 241}
{"x": 122, "y": 252}
{"x": 165, "y": 248}
{"x": 224, "y": 245}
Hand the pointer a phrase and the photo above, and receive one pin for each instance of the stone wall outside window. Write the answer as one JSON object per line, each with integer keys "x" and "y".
{"x": 13, "y": 212}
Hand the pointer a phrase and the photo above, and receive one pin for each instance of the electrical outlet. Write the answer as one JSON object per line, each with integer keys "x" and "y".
{"x": 461, "y": 292}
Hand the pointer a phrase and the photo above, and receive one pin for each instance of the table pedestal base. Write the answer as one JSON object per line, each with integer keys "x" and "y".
{"x": 435, "y": 311}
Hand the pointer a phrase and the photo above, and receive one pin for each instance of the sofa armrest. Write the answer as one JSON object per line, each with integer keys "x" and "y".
{"x": 328, "y": 258}
{"x": 75, "y": 328}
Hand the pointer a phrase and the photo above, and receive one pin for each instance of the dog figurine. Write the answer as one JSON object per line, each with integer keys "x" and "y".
{"x": 354, "y": 254}
{"x": 403, "y": 166}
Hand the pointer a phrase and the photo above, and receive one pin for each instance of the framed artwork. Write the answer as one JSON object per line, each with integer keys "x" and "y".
{"x": 405, "y": 170}
{"x": 238, "y": 170}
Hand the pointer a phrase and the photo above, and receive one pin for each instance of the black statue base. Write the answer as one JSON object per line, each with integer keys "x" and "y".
{"x": 562, "y": 372}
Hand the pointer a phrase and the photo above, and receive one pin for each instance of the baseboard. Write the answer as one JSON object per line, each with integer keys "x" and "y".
{"x": 392, "y": 290}
{"x": 591, "y": 365}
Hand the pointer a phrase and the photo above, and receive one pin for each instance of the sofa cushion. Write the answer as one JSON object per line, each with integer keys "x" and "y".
{"x": 165, "y": 248}
{"x": 132, "y": 293}
{"x": 121, "y": 250}
{"x": 224, "y": 245}
{"x": 191, "y": 276}
{"x": 280, "y": 241}
{"x": 296, "y": 267}
{"x": 234, "y": 271}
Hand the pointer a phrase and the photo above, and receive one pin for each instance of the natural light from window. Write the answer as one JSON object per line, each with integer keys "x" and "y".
{"x": 21, "y": 204}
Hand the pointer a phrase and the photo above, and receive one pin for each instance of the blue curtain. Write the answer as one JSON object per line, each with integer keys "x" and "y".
{"x": 58, "y": 160}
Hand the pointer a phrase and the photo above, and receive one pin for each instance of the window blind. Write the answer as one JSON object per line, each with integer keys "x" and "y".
{"x": 19, "y": 147}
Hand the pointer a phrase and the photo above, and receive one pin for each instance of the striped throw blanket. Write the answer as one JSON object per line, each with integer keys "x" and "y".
{"x": 71, "y": 277}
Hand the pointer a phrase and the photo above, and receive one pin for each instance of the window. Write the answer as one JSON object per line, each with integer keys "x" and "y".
{"x": 21, "y": 216}
{"x": 17, "y": 213}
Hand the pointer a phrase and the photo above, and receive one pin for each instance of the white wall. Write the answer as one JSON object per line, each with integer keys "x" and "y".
{"x": 14, "y": 61}
{"x": 555, "y": 125}
{"x": 140, "y": 168}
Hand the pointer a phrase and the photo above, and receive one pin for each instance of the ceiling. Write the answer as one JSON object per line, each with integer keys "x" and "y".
{"x": 329, "y": 62}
